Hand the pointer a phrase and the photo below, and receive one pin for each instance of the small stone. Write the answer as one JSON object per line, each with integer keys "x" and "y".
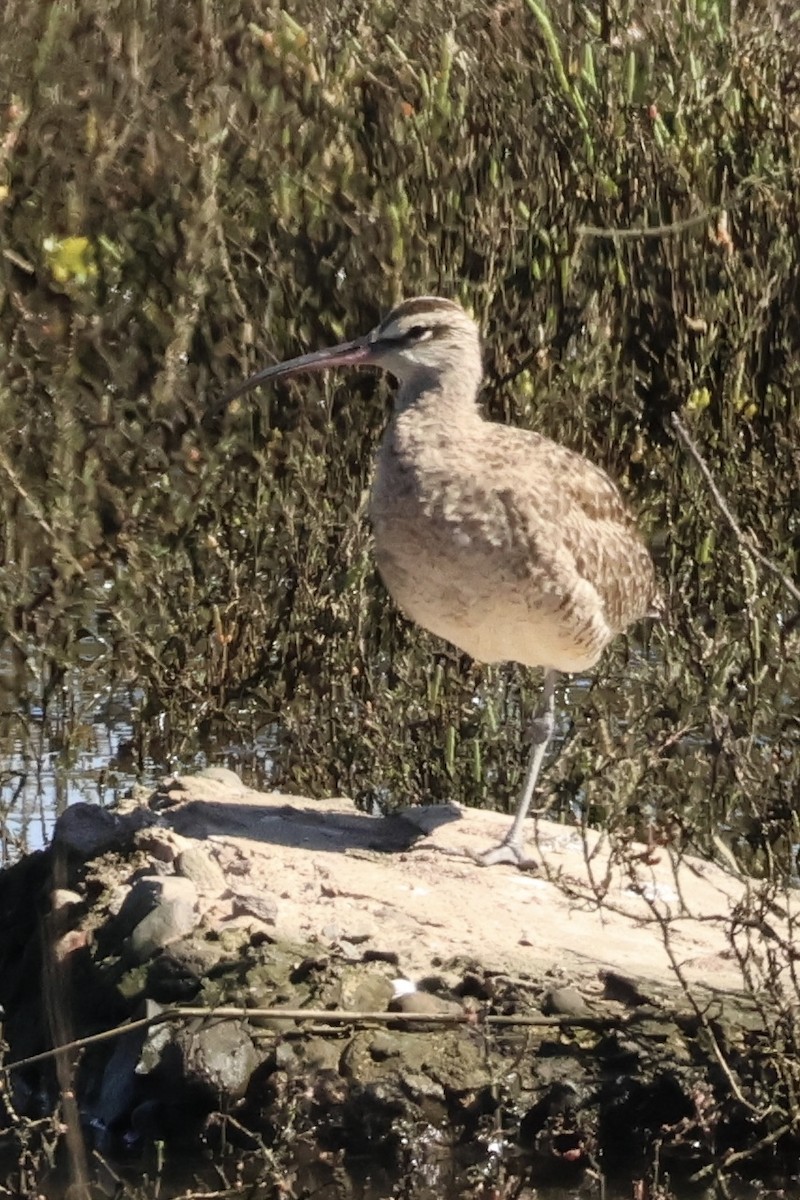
{"x": 383, "y": 1046}
{"x": 160, "y": 844}
{"x": 204, "y": 872}
{"x": 369, "y": 993}
{"x": 173, "y": 915}
{"x": 285, "y": 1057}
{"x": 156, "y": 866}
{"x": 425, "y": 1002}
{"x": 255, "y": 904}
{"x": 359, "y": 930}
{"x": 421, "y": 1087}
{"x": 220, "y": 1056}
{"x": 321, "y": 1054}
{"x": 565, "y": 1002}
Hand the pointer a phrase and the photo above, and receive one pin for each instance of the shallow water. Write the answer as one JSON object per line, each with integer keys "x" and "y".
{"x": 80, "y": 745}
{"x": 77, "y": 748}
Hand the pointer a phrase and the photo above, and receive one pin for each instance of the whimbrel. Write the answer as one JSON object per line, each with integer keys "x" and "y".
{"x": 497, "y": 539}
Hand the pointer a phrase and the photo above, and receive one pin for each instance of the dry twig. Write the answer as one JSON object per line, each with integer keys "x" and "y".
{"x": 744, "y": 539}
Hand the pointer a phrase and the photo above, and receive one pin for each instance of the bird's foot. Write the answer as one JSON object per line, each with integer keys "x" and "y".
{"x": 512, "y": 853}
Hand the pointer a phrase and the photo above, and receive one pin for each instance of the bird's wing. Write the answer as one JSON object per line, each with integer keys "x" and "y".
{"x": 572, "y": 510}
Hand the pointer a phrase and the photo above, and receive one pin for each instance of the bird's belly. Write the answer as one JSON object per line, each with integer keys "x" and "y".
{"x": 469, "y": 601}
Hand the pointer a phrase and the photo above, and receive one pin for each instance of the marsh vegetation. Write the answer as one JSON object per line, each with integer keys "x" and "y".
{"x": 189, "y": 191}
{"x": 186, "y": 195}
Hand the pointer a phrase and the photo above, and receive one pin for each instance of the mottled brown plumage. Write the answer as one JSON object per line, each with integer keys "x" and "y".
{"x": 499, "y": 540}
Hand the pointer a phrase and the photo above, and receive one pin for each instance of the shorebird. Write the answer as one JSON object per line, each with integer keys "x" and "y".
{"x": 502, "y": 542}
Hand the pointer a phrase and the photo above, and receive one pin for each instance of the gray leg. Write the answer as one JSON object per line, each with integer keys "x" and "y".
{"x": 512, "y": 847}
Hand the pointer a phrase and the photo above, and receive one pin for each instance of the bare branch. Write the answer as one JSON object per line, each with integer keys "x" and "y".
{"x": 648, "y": 231}
{"x": 325, "y": 1016}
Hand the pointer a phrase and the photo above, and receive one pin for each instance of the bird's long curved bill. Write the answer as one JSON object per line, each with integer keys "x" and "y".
{"x": 345, "y": 355}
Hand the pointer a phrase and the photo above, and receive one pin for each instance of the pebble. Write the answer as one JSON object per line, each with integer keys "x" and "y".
{"x": 172, "y": 915}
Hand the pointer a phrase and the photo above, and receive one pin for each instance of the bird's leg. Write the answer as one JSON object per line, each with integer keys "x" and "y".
{"x": 512, "y": 848}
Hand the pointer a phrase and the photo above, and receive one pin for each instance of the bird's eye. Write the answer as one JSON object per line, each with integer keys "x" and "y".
{"x": 418, "y": 333}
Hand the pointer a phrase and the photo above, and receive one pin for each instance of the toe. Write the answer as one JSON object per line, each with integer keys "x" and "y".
{"x": 507, "y": 852}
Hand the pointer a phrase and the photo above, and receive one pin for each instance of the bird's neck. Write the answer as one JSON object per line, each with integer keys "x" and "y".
{"x": 447, "y": 396}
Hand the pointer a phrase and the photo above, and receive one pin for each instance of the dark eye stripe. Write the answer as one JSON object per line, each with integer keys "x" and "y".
{"x": 417, "y": 333}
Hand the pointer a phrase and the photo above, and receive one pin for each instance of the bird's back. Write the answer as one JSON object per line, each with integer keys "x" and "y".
{"x": 503, "y": 542}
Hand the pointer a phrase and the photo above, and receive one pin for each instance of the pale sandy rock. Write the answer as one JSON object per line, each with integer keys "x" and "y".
{"x": 409, "y": 884}
{"x": 255, "y": 904}
{"x": 163, "y": 845}
{"x": 224, "y": 776}
{"x": 201, "y": 867}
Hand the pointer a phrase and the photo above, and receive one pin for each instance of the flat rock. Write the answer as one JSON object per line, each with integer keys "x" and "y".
{"x": 272, "y": 922}
{"x": 411, "y": 882}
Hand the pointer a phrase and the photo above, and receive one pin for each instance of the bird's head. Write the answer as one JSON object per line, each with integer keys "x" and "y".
{"x": 420, "y": 339}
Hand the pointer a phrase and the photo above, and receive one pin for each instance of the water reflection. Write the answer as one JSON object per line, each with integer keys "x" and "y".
{"x": 79, "y": 737}
{"x": 75, "y": 746}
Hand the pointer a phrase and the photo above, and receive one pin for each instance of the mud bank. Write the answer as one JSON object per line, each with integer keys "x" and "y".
{"x": 312, "y": 993}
